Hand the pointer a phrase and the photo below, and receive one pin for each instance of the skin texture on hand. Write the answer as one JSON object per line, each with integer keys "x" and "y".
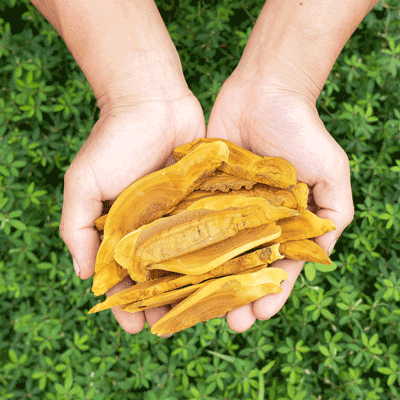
{"x": 272, "y": 120}
{"x": 125, "y": 144}
{"x": 147, "y": 109}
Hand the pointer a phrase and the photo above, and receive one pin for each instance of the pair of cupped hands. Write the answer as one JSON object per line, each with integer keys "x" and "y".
{"x": 134, "y": 137}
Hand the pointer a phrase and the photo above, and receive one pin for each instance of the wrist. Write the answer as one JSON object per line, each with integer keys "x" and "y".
{"x": 123, "y": 48}
{"x": 295, "y": 43}
{"x": 150, "y": 78}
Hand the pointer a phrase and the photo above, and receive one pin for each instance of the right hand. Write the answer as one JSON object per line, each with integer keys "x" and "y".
{"x": 271, "y": 118}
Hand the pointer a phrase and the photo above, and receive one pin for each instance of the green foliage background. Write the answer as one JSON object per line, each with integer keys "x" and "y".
{"x": 337, "y": 336}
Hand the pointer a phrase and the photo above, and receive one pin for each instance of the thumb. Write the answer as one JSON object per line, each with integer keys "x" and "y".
{"x": 80, "y": 209}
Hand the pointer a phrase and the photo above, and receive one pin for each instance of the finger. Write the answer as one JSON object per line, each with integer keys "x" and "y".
{"x": 269, "y": 305}
{"x": 154, "y": 314}
{"x": 241, "y": 319}
{"x": 334, "y": 196}
{"x": 130, "y": 322}
{"x": 80, "y": 208}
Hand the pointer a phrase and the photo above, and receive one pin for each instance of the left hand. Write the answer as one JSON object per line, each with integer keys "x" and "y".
{"x": 272, "y": 119}
{"x": 127, "y": 142}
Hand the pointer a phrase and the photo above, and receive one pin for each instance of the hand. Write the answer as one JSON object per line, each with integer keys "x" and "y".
{"x": 269, "y": 118}
{"x": 126, "y": 143}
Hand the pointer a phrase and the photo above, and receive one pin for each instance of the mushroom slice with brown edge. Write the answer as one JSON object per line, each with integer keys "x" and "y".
{"x": 218, "y": 297}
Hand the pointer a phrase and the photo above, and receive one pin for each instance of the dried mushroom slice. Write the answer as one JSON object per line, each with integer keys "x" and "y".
{"x": 220, "y": 181}
{"x": 218, "y": 297}
{"x": 150, "y": 198}
{"x": 100, "y": 222}
{"x": 136, "y": 292}
{"x": 172, "y": 282}
{"x": 162, "y": 299}
{"x": 304, "y": 250}
{"x": 294, "y": 198}
{"x": 181, "y": 234}
{"x": 276, "y": 196}
{"x": 272, "y": 212}
{"x": 244, "y": 164}
{"x": 301, "y": 191}
{"x": 202, "y": 261}
{"x": 305, "y": 226}
{"x": 125, "y": 247}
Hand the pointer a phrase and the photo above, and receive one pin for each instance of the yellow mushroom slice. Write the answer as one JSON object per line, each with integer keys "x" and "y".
{"x": 141, "y": 291}
{"x": 244, "y": 164}
{"x": 204, "y": 260}
{"x": 220, "y": 181}
{"x": 218, "y": 297}
{"x": 162, "y": 299}
{"x": 148, "y": 199}
{"x": 300, "y": 190}
{"x": 175, "y": 236}
{"x": 305, "y": 226}
{"x": 100, "y": 222}
{"x": 295, "y": 198}
{"x": 124, "y": 247}
{"x": 304, "y": 250}
{"x": 218, "y": 203}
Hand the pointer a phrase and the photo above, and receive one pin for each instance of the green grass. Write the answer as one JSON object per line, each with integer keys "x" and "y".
{"x": 336, "y": 337}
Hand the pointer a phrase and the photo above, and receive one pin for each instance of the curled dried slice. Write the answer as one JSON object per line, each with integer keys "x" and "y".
{"x": 272, "y": 212}
{"x": 244, "y": 164}
{"x": 150, "y": 198}
{"x": 300, "y": 190}
{"x": 125, "y": 246}
{"x": 187, "y": 232}
{"x": 134, "y": 293}
{"x": 304, "y": 250}
{"x": 218, "y": 297}
{"x": 162, "y": 299}
{"x": 295, "y": 198}
{"x": 305, "y": 226}
{"x": 202, "y": 261}
{"x": 222, "y": 182}
{"x": 172, "y": 282}
{"x": 100, "y": 222}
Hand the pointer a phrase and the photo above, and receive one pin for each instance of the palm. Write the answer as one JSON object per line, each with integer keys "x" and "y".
{"x": 271, "y": 121}
{"x": 125, "y": 144}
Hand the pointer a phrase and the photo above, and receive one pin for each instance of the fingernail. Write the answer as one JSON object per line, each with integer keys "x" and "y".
{"x": 76, "y": 267}
{"x": 331, "y": 247}
{"x": 165, "y": 336}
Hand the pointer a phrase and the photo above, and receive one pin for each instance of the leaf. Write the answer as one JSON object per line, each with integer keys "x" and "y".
{"x": 384, "y": 370}
{"x": 267, "y": 367}
{"x": 60, "y": 389}
{"x": 310, "y": 271}
{"x": 17, "y": 224}
{"x": 324, "y": 350}
{"x": 3, "y": 202}
{"x": 231, "y": 359}
{"x": 325, "y": 268}
{"x": 19, "y": 164}
{"x": 4, "y": 171}
{"x": 12, "y": 355}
